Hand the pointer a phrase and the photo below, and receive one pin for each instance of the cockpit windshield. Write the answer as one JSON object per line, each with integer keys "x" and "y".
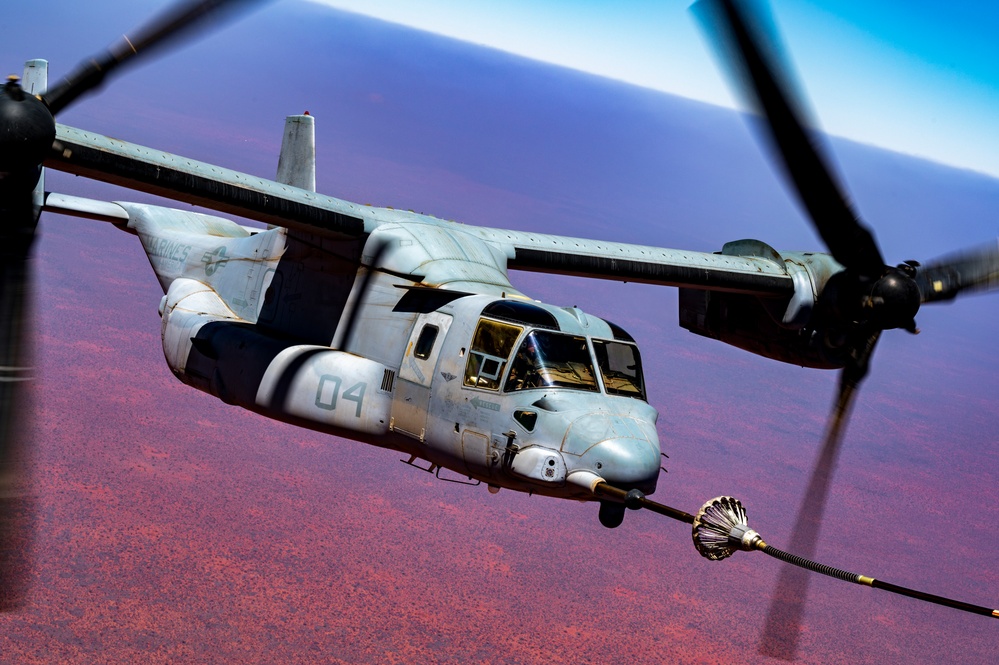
{"x": 620, "y": 368}
{"x": 549, "y": 359}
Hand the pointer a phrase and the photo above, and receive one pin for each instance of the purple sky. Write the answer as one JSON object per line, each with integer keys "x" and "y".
{"x": 418, "y": 122}
{"x": 900, "y": 74}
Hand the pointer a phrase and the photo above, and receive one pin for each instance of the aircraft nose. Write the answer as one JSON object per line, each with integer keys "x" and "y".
{"x": 625, "y": 463}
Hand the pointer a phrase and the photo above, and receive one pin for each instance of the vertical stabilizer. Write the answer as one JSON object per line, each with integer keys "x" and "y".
{"x": 35, "y": 81}
{"x": 297, "y": 164}
{"x": 313, "y": 280}
{"x": 36, "y": 76}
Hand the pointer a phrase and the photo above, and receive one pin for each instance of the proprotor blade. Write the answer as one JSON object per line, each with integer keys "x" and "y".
{"x": 765, "y": 85}
{"x": 180, "y": 20}
{"x": 787, "y": 606}
{"x": 18, "y": 218}
{"x": 27, "y": 130}
{"x": 16, "y": 509}
{"x": 970, "y": 271}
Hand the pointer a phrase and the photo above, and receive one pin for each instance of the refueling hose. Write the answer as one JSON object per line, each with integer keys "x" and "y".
{"x": 720, "y": 529}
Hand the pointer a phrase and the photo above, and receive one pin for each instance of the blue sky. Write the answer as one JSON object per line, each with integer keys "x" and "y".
{"x": 915, "y": 76}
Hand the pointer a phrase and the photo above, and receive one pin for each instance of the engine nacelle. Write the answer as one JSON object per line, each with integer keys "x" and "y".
{"x": 210, "y": 348}
{"x": 777, "y": 328}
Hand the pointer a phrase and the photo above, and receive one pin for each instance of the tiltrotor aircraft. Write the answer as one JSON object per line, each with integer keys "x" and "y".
{"x": 403, "y": 330}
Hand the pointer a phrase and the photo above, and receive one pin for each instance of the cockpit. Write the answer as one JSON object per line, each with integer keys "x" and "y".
{"x": 555, "y": 392}
{"x": 551, "y": 360}
{"x": 548, "y": 358}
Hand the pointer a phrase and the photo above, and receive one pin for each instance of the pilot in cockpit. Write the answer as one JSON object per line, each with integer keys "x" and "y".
{"x": 524, "y": 369}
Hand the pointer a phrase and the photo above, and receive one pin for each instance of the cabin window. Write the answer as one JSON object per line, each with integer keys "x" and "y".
{"x": 620, "y": 368}
{"x": 425, "y": 343}
{"x": 527, "y": 419}
{"x": 552, "y": 360}
{"x": 491, "y": 348}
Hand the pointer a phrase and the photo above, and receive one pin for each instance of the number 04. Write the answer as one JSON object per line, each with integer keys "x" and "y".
{"x": 329, "y": 391}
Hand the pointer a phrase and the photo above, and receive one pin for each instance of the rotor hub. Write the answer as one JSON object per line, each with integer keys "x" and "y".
{"x": 894, "y": 299}
{"x": 27, "y": 130}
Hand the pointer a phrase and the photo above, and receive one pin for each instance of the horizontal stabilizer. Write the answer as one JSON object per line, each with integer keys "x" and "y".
{"x": 35, "y": 82}
{"x": 102, "y": 211}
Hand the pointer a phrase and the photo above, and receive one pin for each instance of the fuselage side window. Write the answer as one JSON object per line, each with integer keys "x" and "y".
{"x": 425, "y": 342}
{"x": 552, "y": 360}
{"x": 621, "y": 368}
{"x": 491, "y": 348}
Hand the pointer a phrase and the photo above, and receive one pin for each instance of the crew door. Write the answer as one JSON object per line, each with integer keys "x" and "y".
{"x": 412, "y": 392}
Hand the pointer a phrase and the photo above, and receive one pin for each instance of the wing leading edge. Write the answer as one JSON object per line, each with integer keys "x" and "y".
{"x": 144, "y": 169}
{"x": 764, "y": 276}
{"x": 163, "y": 174}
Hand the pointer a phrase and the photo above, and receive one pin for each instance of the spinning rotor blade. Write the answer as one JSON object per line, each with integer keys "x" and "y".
{"x": 868, "y": 297}
{"x": 179, "y": 20}
{"x": 765, "y": 84}
{"x": 15, "y": 326}
{"x": 27, "y": 131}
{"x": 855, "y": 305}
{"x": 783, "y": 625}
{"x": 26, "y": 134}
{"x": 970, "y": 271}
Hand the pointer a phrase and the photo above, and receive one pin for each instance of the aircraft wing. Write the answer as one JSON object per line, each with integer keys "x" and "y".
{"x": 144, "y": 169}
{"x": 130, "y": 165}
{"x": 536, "y": 252}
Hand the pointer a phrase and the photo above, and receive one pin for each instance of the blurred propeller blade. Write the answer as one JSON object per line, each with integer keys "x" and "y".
{"x": 18, "y": 217}
{"x": 28, "y": 131}
{"x": 787, "y": 607}
{"x": 783, "y": 625}
{"x": 970, "y": 271}
{"x": 181, "y": 20}
{"x": 15, "y": 499}
{"x": 856, "y": 304}
{"x": 751, "y": 54}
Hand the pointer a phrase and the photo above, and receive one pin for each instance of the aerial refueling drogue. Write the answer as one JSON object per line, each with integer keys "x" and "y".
{"x": 720, "y": 528}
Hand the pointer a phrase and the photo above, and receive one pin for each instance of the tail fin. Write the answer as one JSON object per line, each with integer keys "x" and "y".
{"x": 297, "y": 163}
{"x": 313, "y": 280}
{"x": 34, "y": 82}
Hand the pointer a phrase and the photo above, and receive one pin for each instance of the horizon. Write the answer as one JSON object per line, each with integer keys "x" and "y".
{"x": 884, "y": 73}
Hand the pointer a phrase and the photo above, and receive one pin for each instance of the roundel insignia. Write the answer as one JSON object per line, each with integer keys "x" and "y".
{"x": 214, "y": 260}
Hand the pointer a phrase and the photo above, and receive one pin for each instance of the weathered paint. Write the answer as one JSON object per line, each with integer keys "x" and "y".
{"x": 327, "y": 387}
{"x": 172, "y": 176}
{"x": 297, "y": 161}
{"x": 317, "y": 324}
{"x": 155, "y": 172}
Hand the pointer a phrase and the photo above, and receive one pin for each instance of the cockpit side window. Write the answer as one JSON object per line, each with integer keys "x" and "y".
{"x": 491, "y": 347}
{"x": 621, "y": 368}
{"x": 552, "y": 360}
